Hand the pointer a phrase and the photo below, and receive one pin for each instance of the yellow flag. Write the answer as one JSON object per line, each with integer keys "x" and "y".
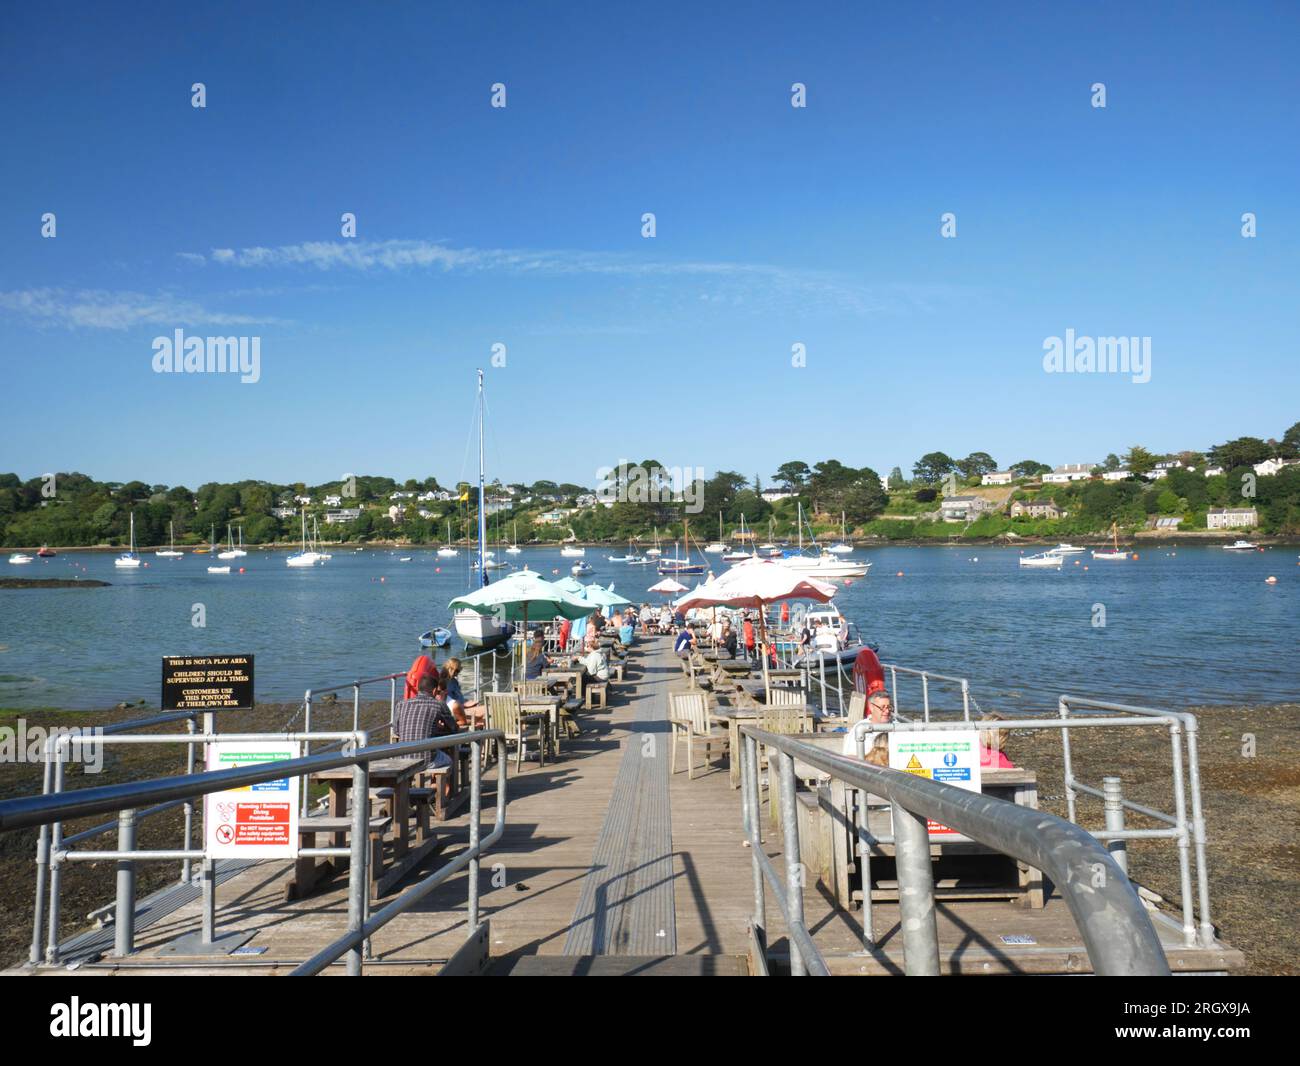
{"x": 464, "y": 496}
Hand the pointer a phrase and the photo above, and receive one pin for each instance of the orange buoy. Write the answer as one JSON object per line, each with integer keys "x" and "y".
{"x": 1135, "y": 555}
{"x": 241, "y": 570}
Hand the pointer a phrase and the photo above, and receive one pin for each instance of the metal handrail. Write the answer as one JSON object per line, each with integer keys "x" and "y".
{"x": 53, "y": 808}
{"x": 1116, "y": 929}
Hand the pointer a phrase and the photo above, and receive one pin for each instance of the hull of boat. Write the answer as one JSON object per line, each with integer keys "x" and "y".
{"x": 827, "y": 568}
{"x": 573, "y": 553}
{"x": 435, "y": 638}
{"x": 479, "y": 630}
{"x": 1120, "y": 556}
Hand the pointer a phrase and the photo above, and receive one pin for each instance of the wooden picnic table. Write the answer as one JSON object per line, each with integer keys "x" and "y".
{"x": 571, "y": 677}
{"x": 732, "y": 716}
{"x": 397, "y": 774}
{"x": 549, "y": 706}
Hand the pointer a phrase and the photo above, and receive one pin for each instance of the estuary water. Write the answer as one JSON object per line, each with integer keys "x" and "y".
{"x": 1182, "y": 625}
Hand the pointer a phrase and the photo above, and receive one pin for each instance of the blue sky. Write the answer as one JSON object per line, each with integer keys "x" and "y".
{"x": 521, "y": 226}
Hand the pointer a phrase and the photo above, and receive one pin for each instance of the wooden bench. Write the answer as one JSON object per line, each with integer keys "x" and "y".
{"x": 307, "y": 872}
{"x": 596, "y": 690}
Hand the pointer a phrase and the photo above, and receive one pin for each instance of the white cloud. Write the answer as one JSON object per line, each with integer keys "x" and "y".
{"x": 732, "y": 282}
{"x": 98, "y": 309}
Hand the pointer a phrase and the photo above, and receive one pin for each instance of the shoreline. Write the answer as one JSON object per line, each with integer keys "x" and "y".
{"x": 1146, "y": 537}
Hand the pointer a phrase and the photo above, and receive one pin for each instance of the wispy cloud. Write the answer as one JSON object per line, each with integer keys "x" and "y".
{"x": 100, "y": 309}
{"x": 731, "y": 282}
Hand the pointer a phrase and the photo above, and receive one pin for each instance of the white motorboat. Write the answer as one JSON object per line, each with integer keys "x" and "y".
{"x": 1065, "y": 549}
{"x": 572, "y": 553}
{"x": 834, "y": 638}
{"x": 218, "y": 569}
{"x": 715, "y": 548}
{"x": 581, "y": 569}
{"x": 1045, "y": 561}
{"x": 129, "y": 560}
{"x": 821, "y": 565}
{"x": 1240, "y": 546}
{"x": 825, "y": 566}
{"x": 736, "y": 556}
{"x": 19, "y": 559}
{"x": 171, "y": 552}
{"x": 304, "y": 558}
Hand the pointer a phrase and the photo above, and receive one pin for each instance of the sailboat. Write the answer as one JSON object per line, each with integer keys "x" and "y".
{"x": 231, "y": 551}
{"x": 170, "y": 553}
{"x": 656, "y": 551}
{"x": 316, "y": 545}
{"x": 737, "y": 555}
{"x": 447, "y": 551}
{"x": 821, "y": 565}
{"x": 480, "y": 630}
{"x": 678, "y": 565}
{"x": 303, "y": 558}
{"x": 514, "y": 548}
{"x": 717, "y": 547}
{"x": 842, "y": 546}
{"x": 129, "y": 560}
{"x": 1114, "y": 554}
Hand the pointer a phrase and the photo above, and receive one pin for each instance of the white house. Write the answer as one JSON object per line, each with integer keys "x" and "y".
{"x": 1070, "y": 472}
{"x": 347, "y": 514}
{"x": 772, "y": 495}
{"x": 552, "y": 518}
{"x": 1269, "y": 467}
{"x": 998, "y": 477}
{"x": 395, "y": 512}
{"x": 1231, "y": 517}
{"x": 1115, "y": 475}
{"x": 284, "y": 512}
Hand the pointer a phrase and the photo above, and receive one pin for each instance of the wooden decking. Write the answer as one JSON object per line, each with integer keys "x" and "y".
{"x": 605, "y": 854}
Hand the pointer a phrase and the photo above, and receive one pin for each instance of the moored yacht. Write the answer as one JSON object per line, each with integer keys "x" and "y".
{"x": 1240, "y": 546}
{"x": 128, "y": 560}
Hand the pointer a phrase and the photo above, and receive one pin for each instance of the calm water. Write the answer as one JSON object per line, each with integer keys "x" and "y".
{"x": 1183, "y": 626}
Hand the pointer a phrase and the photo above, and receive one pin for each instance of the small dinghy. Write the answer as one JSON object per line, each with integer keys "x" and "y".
{"x": 437, "y": 637}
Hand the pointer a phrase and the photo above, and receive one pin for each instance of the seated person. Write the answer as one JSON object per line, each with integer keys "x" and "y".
{"x": 685, "y": 642}
{"x": 729, "y": 639}
{"x": 626, "y": 633}
{"x": 880, "y": 711}
{"x": 426, "y": 715}
{"x": 992, "y": 741}
{"x": 535, "y": 661}
{"x": 596, "y": 665}
{"x": 466, "y": 712}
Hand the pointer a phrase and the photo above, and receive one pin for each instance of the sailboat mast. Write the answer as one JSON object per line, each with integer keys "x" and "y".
{"x": 482, "y": 511}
